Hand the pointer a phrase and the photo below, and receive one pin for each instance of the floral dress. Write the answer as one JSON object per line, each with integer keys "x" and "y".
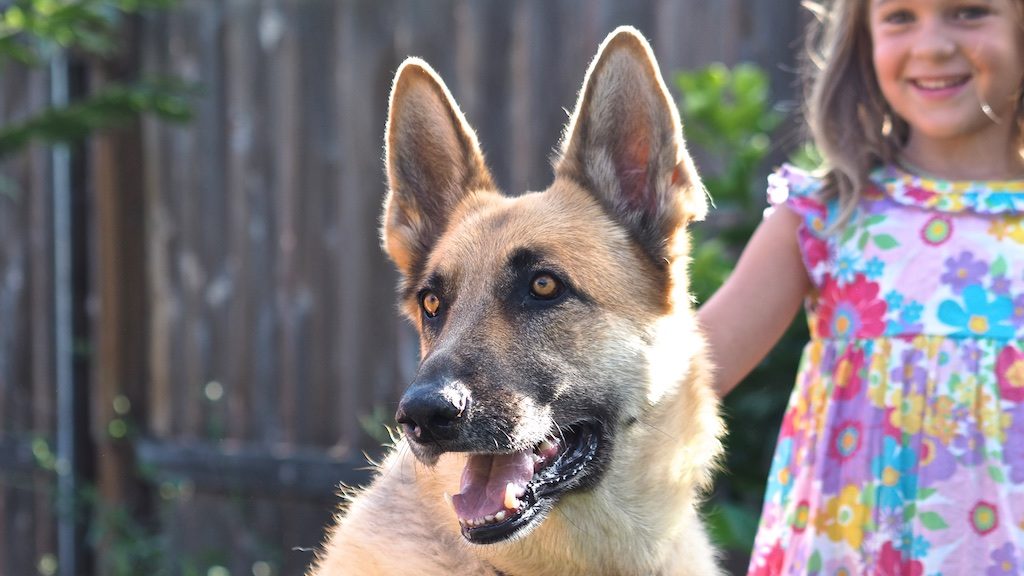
{"x": 902, "y": 449}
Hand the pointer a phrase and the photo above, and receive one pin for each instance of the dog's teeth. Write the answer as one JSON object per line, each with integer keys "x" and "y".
{"x": 489, "y": 518}
{"x": 512, "y": 493}
{"x": 545, "y": 446}
{"x": 500, "y": 516}
{"x": 448, "y": 500}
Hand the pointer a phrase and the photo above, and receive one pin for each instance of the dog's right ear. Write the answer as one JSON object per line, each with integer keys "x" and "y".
{"x": 433, "y": 161}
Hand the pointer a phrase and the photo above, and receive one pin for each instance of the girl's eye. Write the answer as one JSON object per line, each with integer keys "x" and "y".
{"x": 971, "y": 12}
{"x": 897, "y": 17}
{"x": 545, "y": 286}
{"x": 430, "y": 303}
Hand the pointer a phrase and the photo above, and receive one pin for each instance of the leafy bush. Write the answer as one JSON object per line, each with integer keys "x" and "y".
{"x": 33, "y": 31}
{"x": 729, "y": 119}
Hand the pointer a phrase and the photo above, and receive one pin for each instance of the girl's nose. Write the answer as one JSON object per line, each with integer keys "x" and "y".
{"x": 934, "y": 40}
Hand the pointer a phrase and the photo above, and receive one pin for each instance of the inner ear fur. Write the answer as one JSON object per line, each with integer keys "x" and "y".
{"x": 433, "y": 162}
{"x": 624, "y": 144}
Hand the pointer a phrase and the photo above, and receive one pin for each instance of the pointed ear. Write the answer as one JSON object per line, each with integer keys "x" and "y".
{"x": 624, "y": 144}
{"x": 433, "y": 162}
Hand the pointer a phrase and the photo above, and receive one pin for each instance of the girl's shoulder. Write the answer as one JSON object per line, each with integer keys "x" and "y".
{"x": 800, "y": 191}
{"x": 789, "y": 181}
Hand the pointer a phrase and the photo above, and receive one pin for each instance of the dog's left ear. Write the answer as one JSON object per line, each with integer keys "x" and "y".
{"x": 433, "y": 162}
{"x": 624, "y": 144}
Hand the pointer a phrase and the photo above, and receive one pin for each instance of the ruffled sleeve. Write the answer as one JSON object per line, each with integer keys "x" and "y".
{"x": 798, "y": 190}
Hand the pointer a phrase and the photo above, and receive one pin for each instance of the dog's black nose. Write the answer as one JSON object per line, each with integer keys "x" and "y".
{"x": 430, "y": 415}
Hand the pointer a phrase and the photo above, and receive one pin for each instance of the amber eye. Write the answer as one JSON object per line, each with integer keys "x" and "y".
{"x": 430, "y": 303}
{"x": 545, "y": 286}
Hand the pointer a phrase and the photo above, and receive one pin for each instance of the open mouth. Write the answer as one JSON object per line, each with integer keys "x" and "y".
{"x": 944, "y": 83}
{"x": 502, "y": 494}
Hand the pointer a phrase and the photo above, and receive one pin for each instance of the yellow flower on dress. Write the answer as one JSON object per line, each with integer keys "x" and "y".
{"x": 940, "y": 423}
{"x": 844, "y": 517}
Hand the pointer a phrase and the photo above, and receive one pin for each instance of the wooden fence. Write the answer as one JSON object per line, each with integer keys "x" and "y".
{"x": 239, "y": 334}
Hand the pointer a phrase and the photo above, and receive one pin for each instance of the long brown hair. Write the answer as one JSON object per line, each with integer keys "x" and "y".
{"x": 847, "y": 116}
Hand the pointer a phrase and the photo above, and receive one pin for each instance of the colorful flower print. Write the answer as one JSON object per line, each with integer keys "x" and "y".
{"x": 984, "y": 517}
{"x": 891, "y": 561}
{"x": 1013, "y": 452}
{"x": 909, "y": 371}
{"x": 1004, "y": 561}
{"x": 937, "y": 230}
{"x": 848, "y": 377}
{"x": 1010, "y": 373}
{"x": 844, "y": 517}
{"x": 1017, "y": 318}
{"x": 963, "y": 271}
{"x": 979, "y": 316}
{"x": 853, "y": 310}
{"x": 894, "y": 470}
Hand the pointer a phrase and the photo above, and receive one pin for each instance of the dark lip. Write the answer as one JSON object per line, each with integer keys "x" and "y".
{"x": 578, "y": 467}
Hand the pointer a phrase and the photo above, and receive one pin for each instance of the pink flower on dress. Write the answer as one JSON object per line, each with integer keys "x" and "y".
{"x": 891, "y": 561}
{"x": 852, "y": 310}
{"x": 770, "y": 564}
{"x": 984, "y": 517}
{"x": 1010, "y": 373}
{"x": 922, "y": 195}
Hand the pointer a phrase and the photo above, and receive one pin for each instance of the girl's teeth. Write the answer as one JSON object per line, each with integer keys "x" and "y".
{"x": 938, "y": 84}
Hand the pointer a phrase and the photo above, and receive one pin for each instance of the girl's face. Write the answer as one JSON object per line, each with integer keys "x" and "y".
{"x": 939, "y": 62}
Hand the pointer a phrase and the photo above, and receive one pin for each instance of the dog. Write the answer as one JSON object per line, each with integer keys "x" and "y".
{"x": 561, "y": 420}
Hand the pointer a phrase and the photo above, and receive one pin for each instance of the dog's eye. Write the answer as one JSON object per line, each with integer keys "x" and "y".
{"x": 430, "y": 303}
{"x": 545, "y": 286}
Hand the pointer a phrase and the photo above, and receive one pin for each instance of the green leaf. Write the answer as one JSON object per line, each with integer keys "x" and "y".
{"x": 933, "y": 521}
{"x": 996, "y": 474}
{"x": 885, "y": 241}
{"x": 999, "y": 267}
{"x": 862, "y": 242}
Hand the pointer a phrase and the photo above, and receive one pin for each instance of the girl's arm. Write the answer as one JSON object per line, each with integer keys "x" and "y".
{"x": 755, "y": 305}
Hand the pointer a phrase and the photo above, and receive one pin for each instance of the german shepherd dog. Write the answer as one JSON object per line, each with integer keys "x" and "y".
{"x": 560, "y": 421}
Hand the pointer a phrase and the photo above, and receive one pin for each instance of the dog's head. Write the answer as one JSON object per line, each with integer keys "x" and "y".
{"x": 536, "y": 312}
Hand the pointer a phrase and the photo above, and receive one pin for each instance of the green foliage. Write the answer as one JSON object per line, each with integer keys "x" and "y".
{"x": 31, "y": 31}
{"x": 727, "y": 115}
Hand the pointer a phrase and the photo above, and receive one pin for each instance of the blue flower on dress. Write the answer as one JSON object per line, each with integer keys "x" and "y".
{"x": 978, "y": 316}
{"x": 894, "y": 300}
{"x": 846, "y": 267}
{"x": 893, "y": 470}
{"x": 963, "y": 271}
{"x": 874, "y": 268}
{"x": 912, "y": 311}
{"x": 780, "y": 479}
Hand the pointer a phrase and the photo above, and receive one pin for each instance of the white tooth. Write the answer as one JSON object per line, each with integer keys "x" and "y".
{"x": 448, "y": 499}
{"x": 511, "y": 496}
{"x": 489, "y": 518}
{"x": 500, "y": 516}
{"x": 545, "y": 446}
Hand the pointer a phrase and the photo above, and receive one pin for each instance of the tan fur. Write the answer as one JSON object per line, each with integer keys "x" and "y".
{"x": 613, "y": 222}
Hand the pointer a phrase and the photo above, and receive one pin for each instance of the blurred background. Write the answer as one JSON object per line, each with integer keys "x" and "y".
{"x": 198, "y": 335}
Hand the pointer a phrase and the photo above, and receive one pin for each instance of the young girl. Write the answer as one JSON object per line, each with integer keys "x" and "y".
{"x": 902, "y": 450}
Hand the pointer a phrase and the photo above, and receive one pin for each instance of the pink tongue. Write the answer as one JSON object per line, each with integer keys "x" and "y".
{"x": 484, "y": 481}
